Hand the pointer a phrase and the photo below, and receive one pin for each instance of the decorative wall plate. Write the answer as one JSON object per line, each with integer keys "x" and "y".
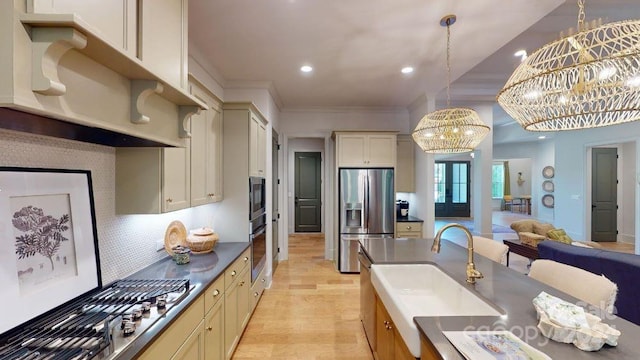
{"x": 547, "y": 186}
{"x": 548, "y": 172}
{"x": 547, "y": 200}
{"x": 175, "y": 235}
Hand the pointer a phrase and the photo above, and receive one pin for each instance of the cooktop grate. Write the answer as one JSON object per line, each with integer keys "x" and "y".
{"x": 84, "y": 328}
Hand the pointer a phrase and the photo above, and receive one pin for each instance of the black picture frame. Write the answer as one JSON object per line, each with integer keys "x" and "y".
{"x": 48, "y": 231}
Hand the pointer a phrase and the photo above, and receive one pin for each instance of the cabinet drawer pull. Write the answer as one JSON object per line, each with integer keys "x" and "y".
{"x": 233, "y": 273}
{"x": 408, "y": 227}
{"x": 216, "y": 292}
{"x": 169, "y": 200}
{"x": 241, "y": 283}
{"x": 246, "y": 258}
{"x": 255, "y": 294}
{"x": 386, "y": 322}
{"x": 209, "y": 328}
{"x": 263, "y": 280}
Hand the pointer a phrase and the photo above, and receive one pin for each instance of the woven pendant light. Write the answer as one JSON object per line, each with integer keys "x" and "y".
{"x": 450, "y": 130}
{"x": 584, "y": 80}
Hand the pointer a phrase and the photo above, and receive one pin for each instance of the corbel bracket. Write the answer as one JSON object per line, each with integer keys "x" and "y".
{"x": 49, "y": 44}
{"x": 140, "y": 92}
{"x": 184, "y": 113}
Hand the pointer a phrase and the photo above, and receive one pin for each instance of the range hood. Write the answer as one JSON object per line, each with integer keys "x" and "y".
{"x": 37, "y": 124}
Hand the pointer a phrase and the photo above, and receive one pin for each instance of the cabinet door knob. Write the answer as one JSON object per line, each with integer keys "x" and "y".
{"x": 233, "y": 273}
{"x": 169, "y": 200}
{"x": 216, "y": 292}
{"x": 408, "y": 227}
{"x": 263, "y": 280}
{"x": 241, "y": 283}
{"x": 209, "y": 328}
{"x": 246, "y": 258}
{"x": 255, "y": 294}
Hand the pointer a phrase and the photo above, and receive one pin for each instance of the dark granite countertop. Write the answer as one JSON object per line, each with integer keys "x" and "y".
{"x": 201, "y": 271}
{"x": 408, "y": 218}
{"x": 507, "y": 289}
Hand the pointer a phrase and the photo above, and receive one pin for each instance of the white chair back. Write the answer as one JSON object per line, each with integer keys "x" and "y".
{"x": 492, "y": 249}
{"x": 594, "y": 289}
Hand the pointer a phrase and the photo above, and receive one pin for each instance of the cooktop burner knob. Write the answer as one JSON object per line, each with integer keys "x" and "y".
{"x": 128, "y": 328}
{"x": 137, "y": 314}
{"x": 146, "y": 306}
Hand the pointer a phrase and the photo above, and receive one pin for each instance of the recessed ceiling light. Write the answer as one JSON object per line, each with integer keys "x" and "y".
{"x": 542, "y": 137}
{"x": 407, "y": 70}
{"x": 522, "y": 54}
{"x": 306, "y": 69}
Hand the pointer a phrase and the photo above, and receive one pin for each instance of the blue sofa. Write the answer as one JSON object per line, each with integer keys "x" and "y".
{"x": 623, "y": 269}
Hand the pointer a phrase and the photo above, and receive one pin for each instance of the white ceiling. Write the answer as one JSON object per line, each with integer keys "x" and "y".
{"x": 357, "y": 47}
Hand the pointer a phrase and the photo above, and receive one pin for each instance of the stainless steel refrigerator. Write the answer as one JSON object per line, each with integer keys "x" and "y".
{"x": 366, "y": 205}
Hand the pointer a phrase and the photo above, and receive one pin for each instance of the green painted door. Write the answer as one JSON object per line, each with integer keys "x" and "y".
{"x": 604, "y": 194}
{"x": 308, "y": 185}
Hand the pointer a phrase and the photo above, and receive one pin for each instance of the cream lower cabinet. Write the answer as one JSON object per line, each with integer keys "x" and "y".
{"x": 183, "y": 338}
{"x": 257, "y": 288}
{"x": 210, "y": 328}
{"x": 236, "y": 311}
{"x": 357, "y": 149}
{"x": 214, "y": 332}
{"x": 409, "y": 229}
{"x": 193, "y": 347}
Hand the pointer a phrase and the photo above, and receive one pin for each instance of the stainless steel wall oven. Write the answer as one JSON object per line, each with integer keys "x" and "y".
{"x": 257, "y": 197}
{"x": 258, "y": 238}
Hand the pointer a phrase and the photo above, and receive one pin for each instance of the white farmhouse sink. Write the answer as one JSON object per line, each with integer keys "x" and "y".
{"x": 410, "y": 290}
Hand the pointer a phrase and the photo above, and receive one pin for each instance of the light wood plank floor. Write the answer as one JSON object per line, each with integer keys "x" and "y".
{"x": 310, "y": 312}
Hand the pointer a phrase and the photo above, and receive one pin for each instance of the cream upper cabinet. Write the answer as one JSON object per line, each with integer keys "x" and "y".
{"x": 357, "y": 149}
{"x": 405, "y": 165}
{"x": 163, "y": 38}
{"x": 116, "y": 20}
{"x": 257, "y": 147}
{"x": 206, "y": 149}
{"x": 152, "y": 180}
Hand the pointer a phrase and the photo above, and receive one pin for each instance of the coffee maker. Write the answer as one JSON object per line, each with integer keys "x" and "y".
{"x": 402, "y": 208}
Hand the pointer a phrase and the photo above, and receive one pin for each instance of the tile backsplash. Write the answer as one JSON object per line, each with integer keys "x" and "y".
{"x": 126, "y": 242}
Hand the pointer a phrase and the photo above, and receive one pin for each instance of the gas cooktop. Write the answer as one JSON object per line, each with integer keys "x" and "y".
{"x": 95, "y": 326}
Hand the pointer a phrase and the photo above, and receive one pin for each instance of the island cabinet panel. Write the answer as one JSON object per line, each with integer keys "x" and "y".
{"x": 427, "y": 351}
{"x": 356, "y": 149}
{"x": 389, "y": 343}
{"x": 367, "y": 305}
{"x": 116, "y": 20}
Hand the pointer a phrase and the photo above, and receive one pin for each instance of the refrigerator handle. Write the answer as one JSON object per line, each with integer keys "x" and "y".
{"x": 366, "y": 202}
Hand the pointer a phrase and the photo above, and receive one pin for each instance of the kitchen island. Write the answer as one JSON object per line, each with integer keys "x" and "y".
{"x": 505, "y": 288}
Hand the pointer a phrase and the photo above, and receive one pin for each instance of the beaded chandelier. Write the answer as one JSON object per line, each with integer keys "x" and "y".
{"x": 584, "y": 80}
{"x": 450, "y": 130}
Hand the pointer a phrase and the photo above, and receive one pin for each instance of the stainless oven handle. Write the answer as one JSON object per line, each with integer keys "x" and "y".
{"x": 261, "y": 230}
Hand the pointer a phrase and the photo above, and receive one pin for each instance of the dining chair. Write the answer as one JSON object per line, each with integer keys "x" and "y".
{"x": 591, "y": 288}
{"x": 492, "y": 249}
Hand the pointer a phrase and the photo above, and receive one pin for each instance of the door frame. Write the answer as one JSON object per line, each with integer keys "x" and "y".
{"x": 588, "y": 186}
{"x": 318, "y": 182}
{"x": 449, "y": 163}
{"x": 287, "y": 208}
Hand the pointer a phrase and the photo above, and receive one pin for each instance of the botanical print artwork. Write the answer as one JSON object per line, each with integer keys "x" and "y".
{"x": 43, "y": 240}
